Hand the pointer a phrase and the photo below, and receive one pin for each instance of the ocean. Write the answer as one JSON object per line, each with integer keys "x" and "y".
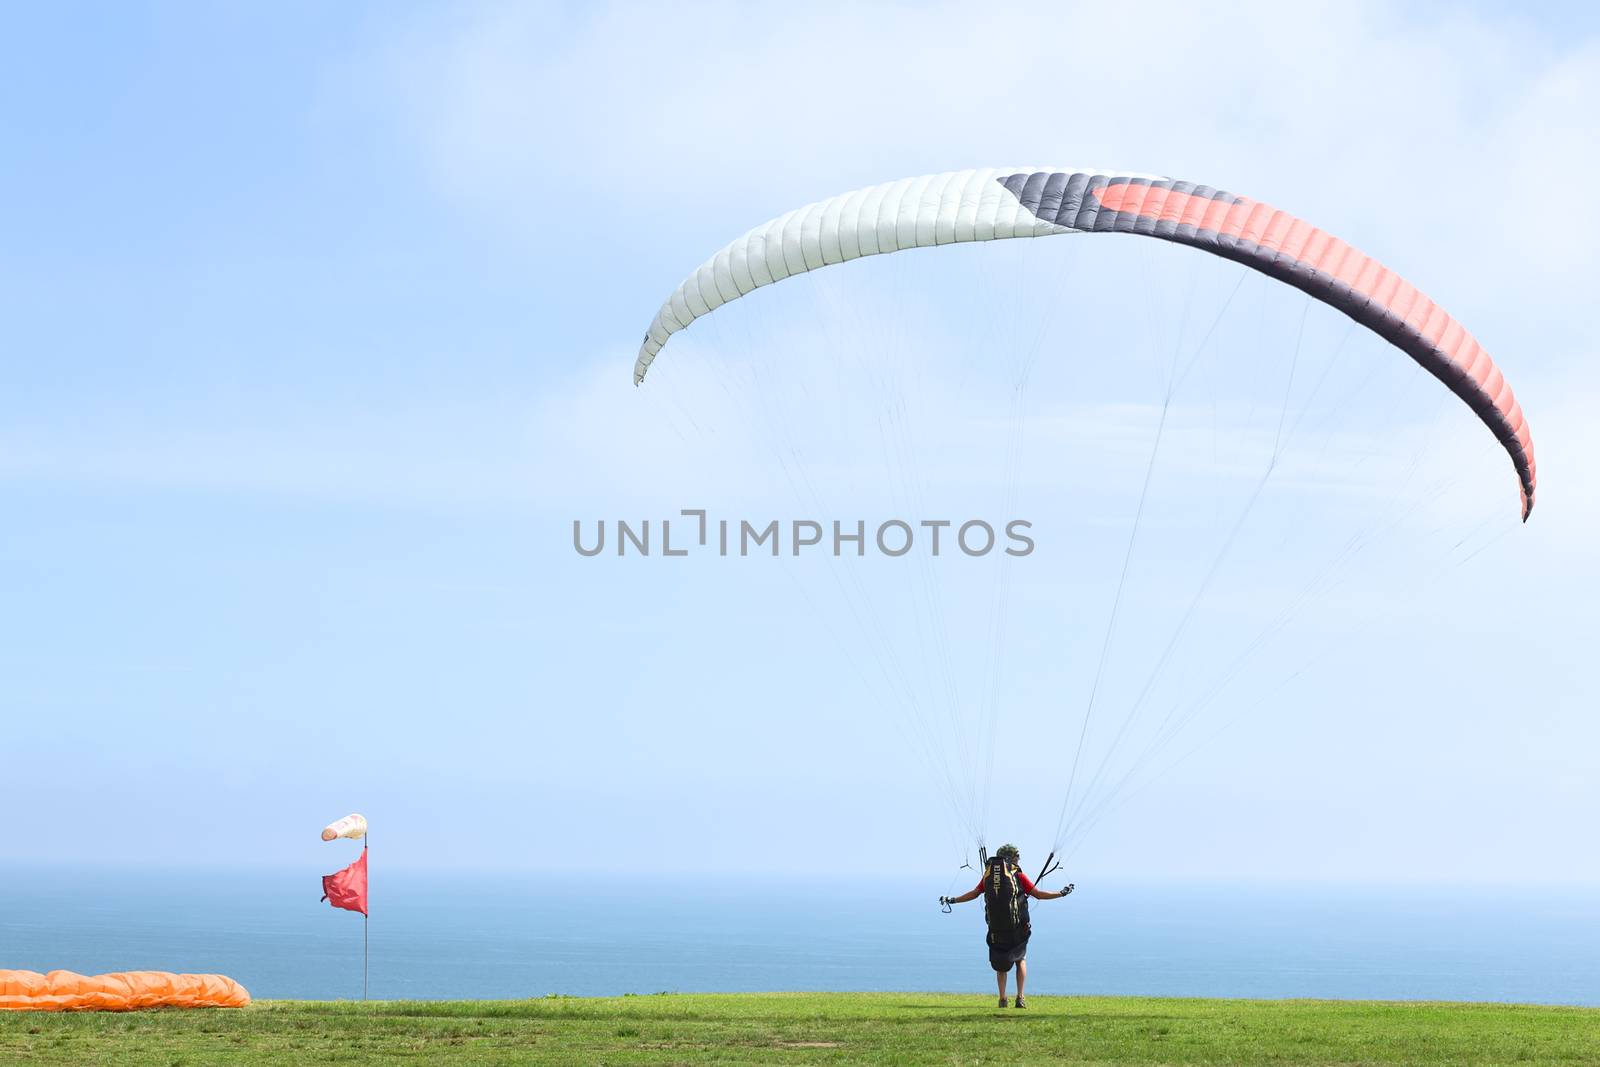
{"x": 578, "y": 934}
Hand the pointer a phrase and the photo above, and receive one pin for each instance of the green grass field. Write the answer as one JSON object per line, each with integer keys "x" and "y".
{"x": 804, "y": 1028}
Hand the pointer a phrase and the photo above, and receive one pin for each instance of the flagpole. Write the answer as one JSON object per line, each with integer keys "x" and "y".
{"x": 364, "y": 930}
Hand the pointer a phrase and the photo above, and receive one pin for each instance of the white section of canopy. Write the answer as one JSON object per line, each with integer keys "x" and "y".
{"x": 935, "y": 209}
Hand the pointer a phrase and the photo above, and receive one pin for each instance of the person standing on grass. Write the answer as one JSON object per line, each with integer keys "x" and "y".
{"x": 1005, "y": 891}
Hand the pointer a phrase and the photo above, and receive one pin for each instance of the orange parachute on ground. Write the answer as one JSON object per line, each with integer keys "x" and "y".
{"x": 123, "y": 991}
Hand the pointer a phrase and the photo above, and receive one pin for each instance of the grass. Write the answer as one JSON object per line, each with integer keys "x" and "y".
{"x": 808, "y": 1028}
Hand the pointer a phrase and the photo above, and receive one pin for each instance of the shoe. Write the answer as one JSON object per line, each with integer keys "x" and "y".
{"x": 1002, "y": 1002}
{"x": 1020, "y": 1003}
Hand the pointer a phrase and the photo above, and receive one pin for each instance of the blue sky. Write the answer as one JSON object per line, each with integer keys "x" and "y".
{"x": 316, "y": 327}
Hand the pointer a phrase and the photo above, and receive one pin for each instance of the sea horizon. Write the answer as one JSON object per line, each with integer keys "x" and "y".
{"x": 504, "y": 935}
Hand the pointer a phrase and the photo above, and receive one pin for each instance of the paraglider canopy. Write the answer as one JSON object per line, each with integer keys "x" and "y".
{"x": 998, "y": 203}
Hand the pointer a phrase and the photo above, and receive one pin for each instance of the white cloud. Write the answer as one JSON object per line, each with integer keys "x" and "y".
{"x": 1424, "y": 139}
{"x": 1455, "y": 145}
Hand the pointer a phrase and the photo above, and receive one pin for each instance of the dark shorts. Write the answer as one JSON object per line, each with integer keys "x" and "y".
{"x": 1001, "y": 957}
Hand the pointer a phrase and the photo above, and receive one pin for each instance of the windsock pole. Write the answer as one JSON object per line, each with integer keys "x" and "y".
{"x": 347, "y": 888}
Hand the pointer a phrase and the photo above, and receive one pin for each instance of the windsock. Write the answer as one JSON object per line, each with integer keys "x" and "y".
{"x": 352, "y": 826}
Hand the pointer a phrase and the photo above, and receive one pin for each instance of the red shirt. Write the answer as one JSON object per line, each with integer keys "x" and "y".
{"x": 1023, "y": 880}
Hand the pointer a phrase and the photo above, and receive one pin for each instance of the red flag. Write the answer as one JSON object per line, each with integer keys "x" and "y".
{"x": 347, "y": 889}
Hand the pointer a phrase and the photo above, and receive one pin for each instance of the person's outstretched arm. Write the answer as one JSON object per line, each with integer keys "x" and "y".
{"x": 1039, "y": 894}
{"x": 972, "y": 894}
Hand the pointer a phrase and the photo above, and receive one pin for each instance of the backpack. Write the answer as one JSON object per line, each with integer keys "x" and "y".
{"x": 1005, "y": 905}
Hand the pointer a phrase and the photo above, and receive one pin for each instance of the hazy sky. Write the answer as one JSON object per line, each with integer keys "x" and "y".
{"x": 316, "y": 331}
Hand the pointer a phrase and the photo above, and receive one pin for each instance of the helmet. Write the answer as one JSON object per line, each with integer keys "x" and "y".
{"x": 1009, "y": 853}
